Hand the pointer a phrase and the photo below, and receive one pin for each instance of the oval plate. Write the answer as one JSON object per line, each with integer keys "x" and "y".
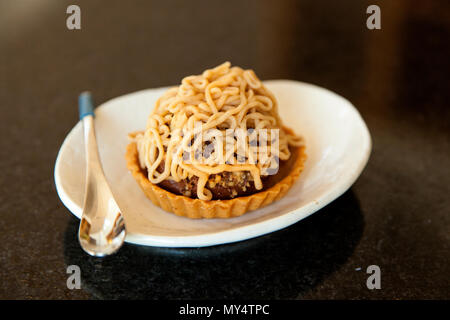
{"x": 337, "y": 141}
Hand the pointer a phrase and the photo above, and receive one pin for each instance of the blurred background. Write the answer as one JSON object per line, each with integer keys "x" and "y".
{"x": 396, "y": 216}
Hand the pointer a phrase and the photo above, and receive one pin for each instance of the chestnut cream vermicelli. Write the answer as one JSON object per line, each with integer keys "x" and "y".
{"x": 219, "y": 100}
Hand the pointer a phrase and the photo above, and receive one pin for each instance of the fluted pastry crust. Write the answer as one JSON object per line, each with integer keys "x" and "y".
{"x": 197, "y": 208}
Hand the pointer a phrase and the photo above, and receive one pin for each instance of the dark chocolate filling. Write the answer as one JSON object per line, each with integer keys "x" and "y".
{"x": 227, "y": 185}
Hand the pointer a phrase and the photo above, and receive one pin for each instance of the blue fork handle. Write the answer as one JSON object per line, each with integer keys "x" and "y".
{"x": 85, "y": 105}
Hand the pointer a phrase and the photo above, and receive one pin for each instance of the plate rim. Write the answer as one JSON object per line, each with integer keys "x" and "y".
{"x": 234, "y": 234}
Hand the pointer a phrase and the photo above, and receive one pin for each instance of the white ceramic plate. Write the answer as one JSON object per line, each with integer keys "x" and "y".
{"x": 338, "y": 145}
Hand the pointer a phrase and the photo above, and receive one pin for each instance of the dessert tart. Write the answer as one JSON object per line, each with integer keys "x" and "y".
{"x": 215, "y": 147}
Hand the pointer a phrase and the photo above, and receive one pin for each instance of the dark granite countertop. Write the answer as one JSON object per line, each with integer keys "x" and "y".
{"x": 395, "y": 216}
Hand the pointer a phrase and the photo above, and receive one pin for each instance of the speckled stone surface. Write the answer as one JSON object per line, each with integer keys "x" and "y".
{"x": 395, "y": 216}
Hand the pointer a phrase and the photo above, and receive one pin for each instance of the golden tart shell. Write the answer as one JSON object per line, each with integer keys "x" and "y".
{"x": 196, "y": 208}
